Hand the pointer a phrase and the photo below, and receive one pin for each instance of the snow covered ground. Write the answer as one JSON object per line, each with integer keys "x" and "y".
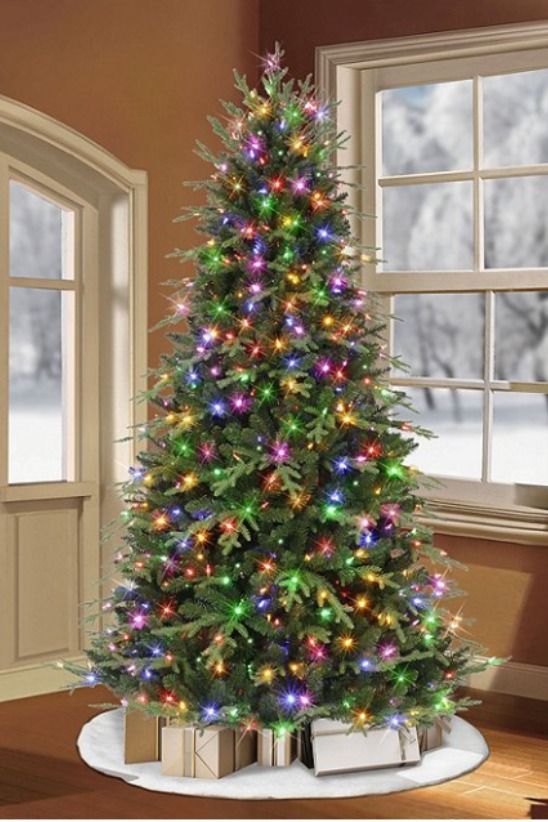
{"x": 520, "y": 437}
{"x": 36, "y": 431}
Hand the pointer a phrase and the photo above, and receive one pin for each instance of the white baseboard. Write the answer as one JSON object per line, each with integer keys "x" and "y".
{"x": 513, "y": 678}
{"x": 35, "y": 680}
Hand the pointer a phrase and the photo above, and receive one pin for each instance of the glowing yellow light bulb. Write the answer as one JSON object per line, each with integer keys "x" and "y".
{"x": 187, "y": 419}
{"x": 348, "y": 418}
{"x": 161, "y": 522}
{"x": 189, "y": 481}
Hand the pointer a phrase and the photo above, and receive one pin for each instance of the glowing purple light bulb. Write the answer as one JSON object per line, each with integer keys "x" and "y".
{"x": 280, "y": 451}
{"x": 240, "y": 403}
{"x": 138, "y": 620}
{"x": 388, "y": 651}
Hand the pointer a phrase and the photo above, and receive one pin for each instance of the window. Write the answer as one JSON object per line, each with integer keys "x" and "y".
{"x": 73, "y": 237}
{"x": 451, "y": 132}
{"x": 464, "y": 187}
{"x": 42, "y": 280}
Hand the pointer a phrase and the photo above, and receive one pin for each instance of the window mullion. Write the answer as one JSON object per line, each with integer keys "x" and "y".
{"x": 489, "y": 361}
{"x": 39, "y": 282}
{"x": 479, "y": 260}
{"x": 4, "y": 319}
{"x": 477, "y": 120}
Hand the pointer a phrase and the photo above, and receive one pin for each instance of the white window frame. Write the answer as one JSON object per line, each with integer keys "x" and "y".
{"x": 111, "y": 276}
{"x": 353, "y": 74}
{"x": 72, "y": 377}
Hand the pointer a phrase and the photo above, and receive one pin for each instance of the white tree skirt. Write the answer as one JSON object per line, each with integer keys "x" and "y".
{"x": 101, "y": 746}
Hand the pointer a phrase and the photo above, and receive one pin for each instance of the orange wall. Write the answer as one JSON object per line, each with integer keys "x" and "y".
{"x": 506, "y": 583}
{"x": 301, "y": 25}
{"x": 506, "y": 586}
{"x": 138, "y": 77}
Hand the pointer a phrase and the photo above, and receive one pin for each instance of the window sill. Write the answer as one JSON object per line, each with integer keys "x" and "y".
{"x": 517, "y": 524}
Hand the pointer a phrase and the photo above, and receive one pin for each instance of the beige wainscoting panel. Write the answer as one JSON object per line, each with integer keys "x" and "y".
{"x": 45, "y": 580}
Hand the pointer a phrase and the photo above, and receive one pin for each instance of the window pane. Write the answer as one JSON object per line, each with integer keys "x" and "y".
{"x": 515, "y": 118}
{"x": 41, "y": 236}
{"x": 516, "y": 222}
{"x": 427, "y": 128}
{"x": 40, "y": 396}
{"x": 455, "y": 416}
{"x": 521, "y": 336}
{"x": 440, "y": 335}
{"x": 520, "y": 438}
{"x": 427, "y": 227}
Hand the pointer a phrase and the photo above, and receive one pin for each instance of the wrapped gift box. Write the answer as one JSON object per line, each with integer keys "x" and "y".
{"x": 142, "y": 737}
{"x": 275, "y": 750}
{"x": 304, "y": 747}
{"x": 208, "y": 753}
{"x": 336, "y": 750}
{"x": 431, "y": 736}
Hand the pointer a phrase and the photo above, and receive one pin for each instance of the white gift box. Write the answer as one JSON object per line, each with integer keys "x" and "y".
{"x": 336, "y": 750}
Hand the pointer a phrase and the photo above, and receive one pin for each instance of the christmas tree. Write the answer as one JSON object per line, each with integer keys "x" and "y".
{"x": 274, "y": 568}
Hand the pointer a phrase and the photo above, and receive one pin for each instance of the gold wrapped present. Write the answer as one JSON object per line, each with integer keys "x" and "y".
{"x": 275, "y": 750}
{"x": 208, "y": 753}
{"x": 431, "y": 736}
{"x": 142, "y": 737}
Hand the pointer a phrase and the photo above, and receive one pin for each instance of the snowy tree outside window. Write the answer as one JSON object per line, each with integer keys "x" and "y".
{"x": 463, "y": 191}
{"x": 41, "y": 334}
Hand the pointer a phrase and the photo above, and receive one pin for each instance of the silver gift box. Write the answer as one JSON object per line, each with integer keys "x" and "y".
{"x": 336, "y": 750}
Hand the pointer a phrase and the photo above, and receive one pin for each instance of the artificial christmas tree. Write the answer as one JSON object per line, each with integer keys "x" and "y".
{"x": 274, "y": 569}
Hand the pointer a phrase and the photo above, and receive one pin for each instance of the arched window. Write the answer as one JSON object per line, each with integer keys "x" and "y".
{"x": 72, "y": 354}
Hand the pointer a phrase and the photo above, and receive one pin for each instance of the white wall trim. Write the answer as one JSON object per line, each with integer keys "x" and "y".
{"x": 134, "y": 183}
{"x": 36, "y": 679}
{"x": 27, "y": 119}
{"x": 438, "y": 45}
{"x": 525, "y": 526}
{"x": 514, "y": 678}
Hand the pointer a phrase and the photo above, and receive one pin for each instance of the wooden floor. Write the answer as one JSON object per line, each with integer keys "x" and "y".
{"x": 42, "y": 776}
